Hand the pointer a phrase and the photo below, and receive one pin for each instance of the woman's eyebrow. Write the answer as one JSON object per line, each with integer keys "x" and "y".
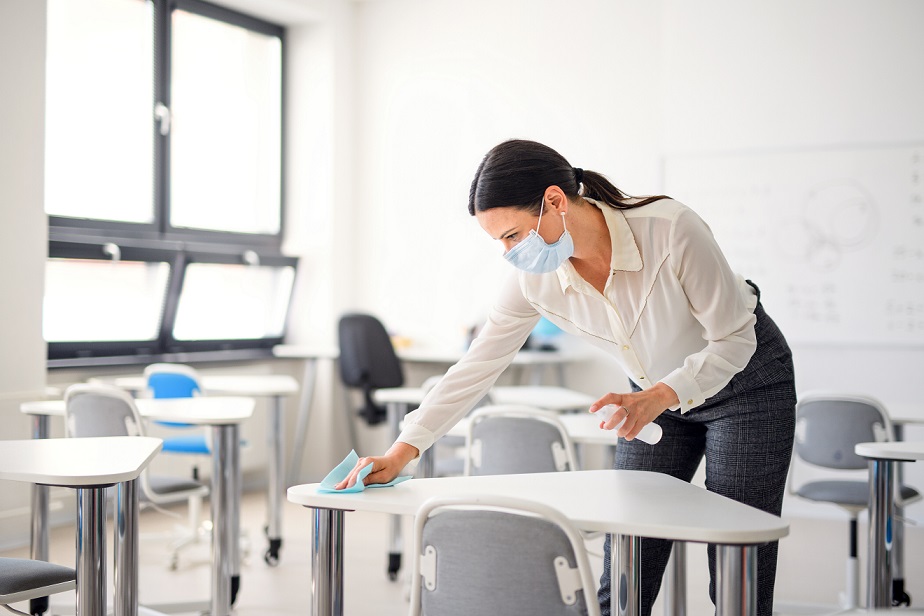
{"x": 506, "y": 233}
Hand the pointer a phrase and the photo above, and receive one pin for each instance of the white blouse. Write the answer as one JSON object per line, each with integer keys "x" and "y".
{"x": 672, "y": 311}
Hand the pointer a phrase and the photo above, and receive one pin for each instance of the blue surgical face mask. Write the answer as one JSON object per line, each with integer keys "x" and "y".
{"x": 533, "y": 255}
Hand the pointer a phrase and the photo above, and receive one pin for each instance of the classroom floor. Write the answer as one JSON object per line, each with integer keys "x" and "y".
{"x": 808, "y": 579}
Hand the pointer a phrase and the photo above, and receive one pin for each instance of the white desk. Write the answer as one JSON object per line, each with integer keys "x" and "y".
{"x": 583, "y": 428}
{"x": 881, "y": 513}
{"x": 533, "y": 361}
{"x": 91, "y": 465}
{"x": 629, "y": 504}
{"x": 223, "y": 415}
{"x": 399, "y": 400}
{"x": 275, "y": 386}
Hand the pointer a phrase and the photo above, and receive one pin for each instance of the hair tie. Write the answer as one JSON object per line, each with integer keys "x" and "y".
{"x": 578, "y": 175}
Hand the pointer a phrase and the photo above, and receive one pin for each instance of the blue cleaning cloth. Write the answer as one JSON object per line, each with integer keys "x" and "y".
{"x": 343, "y": 469}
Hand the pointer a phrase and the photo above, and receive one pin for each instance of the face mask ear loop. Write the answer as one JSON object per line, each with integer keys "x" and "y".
{"x": 538, "y": 224}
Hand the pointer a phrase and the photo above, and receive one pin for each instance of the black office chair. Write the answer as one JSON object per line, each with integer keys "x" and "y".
{"x": 368, "y": 361}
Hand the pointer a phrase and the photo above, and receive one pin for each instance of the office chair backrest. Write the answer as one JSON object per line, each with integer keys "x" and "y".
{"x": 513, "y": 439}
{"x": 367, "y": 357}
{"x": 100, "y": 410}
{"x": 828, "y": 426}
{"x": 493, "y": 555}
{"x": 172, "y": 381}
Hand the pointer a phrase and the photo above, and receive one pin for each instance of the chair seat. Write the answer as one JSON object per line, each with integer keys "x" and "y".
{"x": 846, "y": 493}
{"x": 22, "y": 579}
{"x": 189, "y": 444}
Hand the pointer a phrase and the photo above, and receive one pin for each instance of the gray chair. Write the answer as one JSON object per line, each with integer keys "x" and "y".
{"x": 478, "y": 555}
{"x": 22, "y": 579}
{"x": 512, "y": 439}
{"x": 828, "y": 426}
{"x": 103, "y": 410}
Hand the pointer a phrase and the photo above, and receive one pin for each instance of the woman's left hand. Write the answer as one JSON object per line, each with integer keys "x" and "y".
{"x": 638, "y": 408}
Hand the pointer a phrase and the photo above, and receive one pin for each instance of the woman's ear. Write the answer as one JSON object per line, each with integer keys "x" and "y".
{"x": 556, "y": 200}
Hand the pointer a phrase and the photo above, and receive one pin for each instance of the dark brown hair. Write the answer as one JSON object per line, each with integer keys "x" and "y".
{"x": 516, "y": 173}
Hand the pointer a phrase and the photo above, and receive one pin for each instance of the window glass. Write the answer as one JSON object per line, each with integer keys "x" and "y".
{"x": 94, "y": 300}
{"x": 99, "y": 130}
{"x": 225, "y": 140}
{"x": 224, "y": 302}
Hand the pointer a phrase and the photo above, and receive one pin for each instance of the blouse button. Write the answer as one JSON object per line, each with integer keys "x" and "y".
{"x": 625, "y": 347}
{"x": 641, "y": 378}
{"x": 689, "y": 402}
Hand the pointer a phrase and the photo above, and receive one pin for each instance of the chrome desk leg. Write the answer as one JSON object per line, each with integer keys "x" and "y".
{"x": 125, "y": 572}
{"x": 396, "y": 411}
{"x": 234, "y": 533}
{"x": 879, "y": 561}
{"x": 91, "y": 551}
{"x": 327, "y": 562}
{"x": 304, "y": 415}
{"x": 39, "y": 534}
{"x": 736, "y": 580}
{"x": 899, "y": 595}
{"x": 675, "y": 582}
{"x": 224, "y": 441}
{"x": 274, "y": 492}
{"x": 625, "y": 551}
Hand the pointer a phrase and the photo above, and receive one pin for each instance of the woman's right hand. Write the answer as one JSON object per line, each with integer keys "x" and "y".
{"x": 384, "y": 468}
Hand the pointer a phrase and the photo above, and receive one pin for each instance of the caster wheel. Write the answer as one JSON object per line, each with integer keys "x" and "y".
{"x": 271, "y": 557}
{"x": 394, "y": 565}
{"x": 899, "y": 596}
{"x": 235, "y": 586}
{"x": 38, "y": 606}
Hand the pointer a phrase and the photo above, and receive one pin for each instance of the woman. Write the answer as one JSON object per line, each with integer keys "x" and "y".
{"x": 643, "y": 279}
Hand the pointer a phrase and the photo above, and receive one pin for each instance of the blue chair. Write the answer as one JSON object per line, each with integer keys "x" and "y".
{"x": 165, "y": 380}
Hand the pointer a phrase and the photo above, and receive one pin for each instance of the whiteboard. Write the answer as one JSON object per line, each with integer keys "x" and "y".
{"x": 833, "y": 238}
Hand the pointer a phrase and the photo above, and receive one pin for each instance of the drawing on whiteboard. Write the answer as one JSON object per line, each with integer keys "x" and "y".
{"x": 834, "y": 218}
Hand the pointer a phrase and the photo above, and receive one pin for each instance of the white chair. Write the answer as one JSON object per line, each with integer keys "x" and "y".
{"x": 492, "y": 555}
{"x": 22, "y": 579}
{"x": 511, "y": 439}
{"x": 102, "y": 410}
{"x": 828, "y": 426}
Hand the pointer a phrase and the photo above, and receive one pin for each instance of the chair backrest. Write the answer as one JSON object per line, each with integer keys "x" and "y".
{"x": 494, "y": 555}
{"x": 100, "y": 410}
{"x": 512, "y": 439}
{"x": 367, "y": 357}
{"x": 829, "y": 425}
{"x": 172, "y": 381}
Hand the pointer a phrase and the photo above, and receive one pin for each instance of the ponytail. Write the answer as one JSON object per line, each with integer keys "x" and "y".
{"x": 516, "y": 173}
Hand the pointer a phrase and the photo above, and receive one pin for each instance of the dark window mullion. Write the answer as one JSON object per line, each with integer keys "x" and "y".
{"x": 162, "y": 95}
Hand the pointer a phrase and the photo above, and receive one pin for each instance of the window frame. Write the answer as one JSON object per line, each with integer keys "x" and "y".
{"x": 83, "y": 238}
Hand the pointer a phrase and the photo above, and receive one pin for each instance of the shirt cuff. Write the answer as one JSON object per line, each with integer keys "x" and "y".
{"x": 688, "y": 392}
{"x": 417, "y": 436}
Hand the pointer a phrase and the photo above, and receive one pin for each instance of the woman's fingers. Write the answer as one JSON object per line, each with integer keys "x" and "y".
{"x": 351, "y": 479}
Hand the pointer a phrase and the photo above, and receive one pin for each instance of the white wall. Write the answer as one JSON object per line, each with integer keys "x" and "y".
{"x": 23, "y": 230}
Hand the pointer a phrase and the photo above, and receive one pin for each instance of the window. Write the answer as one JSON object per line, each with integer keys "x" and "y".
{"x": 163, "y": 181}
